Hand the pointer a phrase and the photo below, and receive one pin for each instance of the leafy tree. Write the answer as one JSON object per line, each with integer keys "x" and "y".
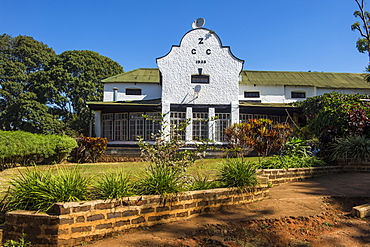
{"x": 21, "y": 58}
{"x": 77, "y": 76}
{"x": 42, "y": 92}
{"x": 363, "y": 27}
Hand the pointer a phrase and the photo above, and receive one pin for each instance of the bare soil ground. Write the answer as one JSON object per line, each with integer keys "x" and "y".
{"x": 314, "y": 212}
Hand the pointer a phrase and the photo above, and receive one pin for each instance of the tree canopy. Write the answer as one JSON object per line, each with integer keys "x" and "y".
{"x": 42, "y": 92}
{"x": 363, "y": 27}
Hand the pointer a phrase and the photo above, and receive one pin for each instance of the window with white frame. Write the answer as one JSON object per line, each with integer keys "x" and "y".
{"x": 251, "y": 94}
{"x": 136, "y": 124}
{"x": 221, "y": 123}
{"x": 203, "y": 79}
{"x": 120, "y": 126}
{"x": 176, "y": 118}
{"x": 276, "y": 119}
{"x": 200, "y": 125}
{"x": 152, "y": 125}
{"x": 107, "y": 126}
{"x": 298, "y": 95}
{"x": 243, "y": 117}
{"x": 133, "y": 91}
{"x": 259, "y": 116}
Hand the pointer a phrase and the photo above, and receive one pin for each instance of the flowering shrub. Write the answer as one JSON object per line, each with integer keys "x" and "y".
{"x": 89, "y": 149}
{"x": 261, "y": 135}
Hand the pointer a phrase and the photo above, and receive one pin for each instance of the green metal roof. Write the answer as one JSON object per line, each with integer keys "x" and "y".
{"x": 136, "y": 76}
{"x": 285, "y": 105}
{"x": 317, "y": 79}
{"x": 127, "y": 102}
{"x": 262, "y": 78}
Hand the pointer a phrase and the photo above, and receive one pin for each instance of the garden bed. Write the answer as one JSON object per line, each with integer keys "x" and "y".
{"x": 68, "y": 224}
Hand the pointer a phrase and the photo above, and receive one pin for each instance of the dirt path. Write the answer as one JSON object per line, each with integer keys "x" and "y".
{"x": 294, "y": 214}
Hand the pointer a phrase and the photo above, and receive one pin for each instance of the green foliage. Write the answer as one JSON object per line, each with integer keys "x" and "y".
{"x": 260, "y": 135}
{"x": 329, "y": 115}
{"x": 238, "y": 173}
{"x": 20, "y": 243}
{"x": 89, "y": 149}
{"x": 42, "y": 92}
{"x": 79, "y": 74}
{"x": 350, "y": 149}
{"x": 169, "y": 160}
{"x": 113, "y": 185}
{"x": 21, "y": 59}
{"x": 363, "y": 43}
{"x": 161, "y": 180}
{"x": 39, "y": 190}
{"x": 290, "y": 161}
{"x": 296, "y": 147}
{"x": 201, "y": 182}
{"x": 295, "y": 154}
{"x": 24, "y": 148}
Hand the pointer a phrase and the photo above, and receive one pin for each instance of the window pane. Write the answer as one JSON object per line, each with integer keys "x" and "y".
{"x": 200, "y": 126}
{"x": 120, "y": 127}
{"x": 298, "y": 95}
{"x": 222, "y": 122}
{"x": 136, "y": 124}
{"x": 107, "y": 126}
{"x": 133, "y": 91}
{"x": 254, "y": 94}
{"x": 243, "y": 118}
{"x": 200, "y": 79}
{"x": 176, "y": 119}
{"x": 152, "y": 125}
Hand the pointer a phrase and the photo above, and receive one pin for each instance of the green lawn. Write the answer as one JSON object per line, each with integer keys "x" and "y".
{"x": 209, "y": 167}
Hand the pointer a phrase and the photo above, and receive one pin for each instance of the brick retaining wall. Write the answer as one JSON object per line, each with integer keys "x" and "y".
{"x": 74, "y": 223}
{"x": 78, "y": 222}
{"x": 278, "y": 176}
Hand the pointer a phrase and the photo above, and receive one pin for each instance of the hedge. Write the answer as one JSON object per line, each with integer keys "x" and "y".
{"x": 24, "y": 148}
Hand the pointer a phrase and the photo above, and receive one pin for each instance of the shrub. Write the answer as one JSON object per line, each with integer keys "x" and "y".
{"x": 296, "y": 147}
{"x": 166, "y": 174}
{"x": 260, "y": 135}
{"x": 288, "y": 161}
{"x": 238, "y": 173}
{"x": 113, "y": 185}
{"x": 350, "y": 149}
{"x": 38, "y": 190}
{"x": 19, "y": 147}
{"x": 201, "y": 182}
{"x": 89, "y": 149}
{"x": 161, "y": 180}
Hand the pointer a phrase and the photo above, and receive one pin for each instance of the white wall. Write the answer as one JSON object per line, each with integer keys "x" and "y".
{"x": 148, "y": 90}
{"x": 214, "y": 60}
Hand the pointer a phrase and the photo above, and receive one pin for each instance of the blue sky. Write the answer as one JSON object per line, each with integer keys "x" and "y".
{"x": 274, "y": 35}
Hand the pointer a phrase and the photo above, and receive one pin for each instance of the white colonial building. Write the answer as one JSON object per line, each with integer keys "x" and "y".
{"x": 201, "y": 80}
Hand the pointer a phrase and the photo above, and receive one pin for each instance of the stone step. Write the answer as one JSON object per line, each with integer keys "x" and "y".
{"x": 361, "y": 211}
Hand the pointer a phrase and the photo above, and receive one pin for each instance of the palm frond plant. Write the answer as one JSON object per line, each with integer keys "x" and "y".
{"x": 238, "y": 173}
{"x": 350, "y": 149}
{"x": 113, "y": 185}
{"x": 38, "y": 190}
